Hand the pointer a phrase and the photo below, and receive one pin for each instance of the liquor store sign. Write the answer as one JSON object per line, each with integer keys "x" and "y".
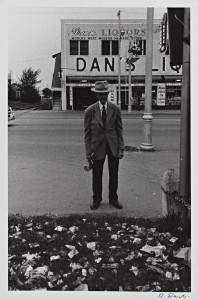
{"x": 161, "y": 95}
{"x": 108, "y": 33}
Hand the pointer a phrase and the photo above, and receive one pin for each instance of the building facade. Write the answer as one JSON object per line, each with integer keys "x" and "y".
{"x": 90, "y": 52}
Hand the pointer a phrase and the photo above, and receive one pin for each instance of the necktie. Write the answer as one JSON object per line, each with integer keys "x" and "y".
{"x": 104, "y": 115}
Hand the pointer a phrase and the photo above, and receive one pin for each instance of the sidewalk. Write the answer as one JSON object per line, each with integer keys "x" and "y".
{"x": 154, "y": 112}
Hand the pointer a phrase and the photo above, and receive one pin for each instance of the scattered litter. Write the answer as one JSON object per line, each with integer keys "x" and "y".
{"x": 111, "y": 259}
{"x": 98, "y": 260}
{"x": 70, "y": 247}
{"x": 28, "y": 271}
{"x": 130, "y": 257}
{"x": 114, "y": 237}
{"x": 28, "y": 225}
{"x": 156, "y": 269}
{"x": 52, "y": 258}
{"x": 42, "y": 270}
{"x": 154, "y": 249}
{"x": 176, "y": 276}
{"x": 84, "y": 272}
{"x": 75, "y": 266}
{"x": 92, "y": 246}
{"x": 50, "y": 284}
{"x": 113, "y": 247}
{"x": 174, "y": 266}
{"x": 59, "y": 228}
{"x": 182, "y": 253}
{"x": 134, "y": 270}
{"x": 72, "y": 253}
{"x": 41, "y": 258}
{"x": 34, "y": 245}
{"x": 110, "y": 266}
{"x": 137, "y": 241}
{"x": 153, "y": 230}
{"x": 65, "y": 288}
{"x": 39, "y": 227}
{"x": 59, "y": 282}
{"x": 154, "y": 260}
{"x": 173, "y": 240}
{"x": 82, "y": 287}
{"x": 92, "y": 271}
{"x": 97, "y": 253}
{"x": 11, "y": 257}
{"x": 73, "y": 229}
{"x": 135, "y": 227}
{"x": 169, "y": 275}
{"x": 29, "y": 256}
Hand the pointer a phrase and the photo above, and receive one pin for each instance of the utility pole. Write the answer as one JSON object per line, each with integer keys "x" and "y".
{"x": 147, "y": 144}
{"x": 185, "y": 113}
{"x": 130, "y": 87}
{"x": 119, "y": 62}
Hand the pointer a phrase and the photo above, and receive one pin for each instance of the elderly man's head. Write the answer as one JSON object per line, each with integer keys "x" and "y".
{"x": 101, "y": 91}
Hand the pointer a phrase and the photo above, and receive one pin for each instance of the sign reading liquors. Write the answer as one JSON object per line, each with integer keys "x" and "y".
{"x": 161, "y": 95}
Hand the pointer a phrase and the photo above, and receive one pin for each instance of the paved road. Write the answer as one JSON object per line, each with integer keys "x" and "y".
{"x": 46, "y": 159}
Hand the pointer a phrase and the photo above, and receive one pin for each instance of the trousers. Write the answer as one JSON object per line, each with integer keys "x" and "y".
{"x": 97, "y": 174}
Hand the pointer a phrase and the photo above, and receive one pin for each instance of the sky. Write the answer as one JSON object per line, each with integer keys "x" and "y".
{"x": 34, "y": 33}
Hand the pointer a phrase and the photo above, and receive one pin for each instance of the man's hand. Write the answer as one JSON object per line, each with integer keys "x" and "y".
{"x": 90, "y": 156}
{"x": 120, "y": 154}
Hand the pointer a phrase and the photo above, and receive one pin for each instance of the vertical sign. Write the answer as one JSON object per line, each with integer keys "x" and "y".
{"x": 161, "y": 94}
{"x": 112, "y": 97}
{"x": 71, "y": 96}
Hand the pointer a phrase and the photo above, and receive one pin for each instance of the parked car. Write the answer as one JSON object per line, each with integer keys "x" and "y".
{"x": 11, "y": 114}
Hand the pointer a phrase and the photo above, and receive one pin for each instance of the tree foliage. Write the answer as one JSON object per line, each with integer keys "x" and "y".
{"x": 27, "y": 83}
{"x": 47, "y": 92}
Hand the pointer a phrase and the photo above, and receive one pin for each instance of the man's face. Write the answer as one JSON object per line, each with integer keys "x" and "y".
{"x": 102, "y": 97}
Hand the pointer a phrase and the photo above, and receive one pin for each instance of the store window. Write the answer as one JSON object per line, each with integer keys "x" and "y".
{"x": 109, "y": 47}
{"x": 79, "y": 47}
{"x": 173, "y": 95}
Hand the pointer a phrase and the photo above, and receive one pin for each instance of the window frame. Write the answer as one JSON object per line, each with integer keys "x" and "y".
{"x": 110, "y": 52}
{"x": 79, "y": 47}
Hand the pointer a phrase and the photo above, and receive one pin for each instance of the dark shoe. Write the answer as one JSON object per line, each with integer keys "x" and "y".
{"x": 116, "y": 204}
{"x": 94, "y": 205}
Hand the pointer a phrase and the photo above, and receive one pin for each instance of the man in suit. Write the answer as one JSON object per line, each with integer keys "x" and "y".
{"x": 104, "y": 136}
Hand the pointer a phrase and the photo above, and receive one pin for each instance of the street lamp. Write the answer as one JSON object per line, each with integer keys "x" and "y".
{"x": 147, "y": 143}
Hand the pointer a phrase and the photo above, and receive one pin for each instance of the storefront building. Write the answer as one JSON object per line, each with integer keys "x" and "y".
{"x": 90, "y": 52}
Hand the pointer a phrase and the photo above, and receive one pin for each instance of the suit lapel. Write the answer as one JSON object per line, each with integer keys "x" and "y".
{"x": 109, "y": 112}
{"x": 97, "y": 113}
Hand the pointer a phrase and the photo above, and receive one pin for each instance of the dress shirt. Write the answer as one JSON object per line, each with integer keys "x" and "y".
{"x": 101, "y": 107}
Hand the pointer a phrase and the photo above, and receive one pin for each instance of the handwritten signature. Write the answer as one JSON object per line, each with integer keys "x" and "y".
{"x": 172, "y": 296}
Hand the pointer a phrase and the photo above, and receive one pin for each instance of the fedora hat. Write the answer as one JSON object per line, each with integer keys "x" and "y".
{"x": 101, "y": 87}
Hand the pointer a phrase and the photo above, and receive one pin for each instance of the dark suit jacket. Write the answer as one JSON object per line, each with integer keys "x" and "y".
{"x": 95, "y": 133}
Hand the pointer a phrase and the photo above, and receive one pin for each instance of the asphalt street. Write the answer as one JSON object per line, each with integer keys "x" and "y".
{"x": 46, "y": 160}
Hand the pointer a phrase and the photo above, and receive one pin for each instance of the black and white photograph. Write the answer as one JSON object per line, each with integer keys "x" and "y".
{"x": 98, "y": 150}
